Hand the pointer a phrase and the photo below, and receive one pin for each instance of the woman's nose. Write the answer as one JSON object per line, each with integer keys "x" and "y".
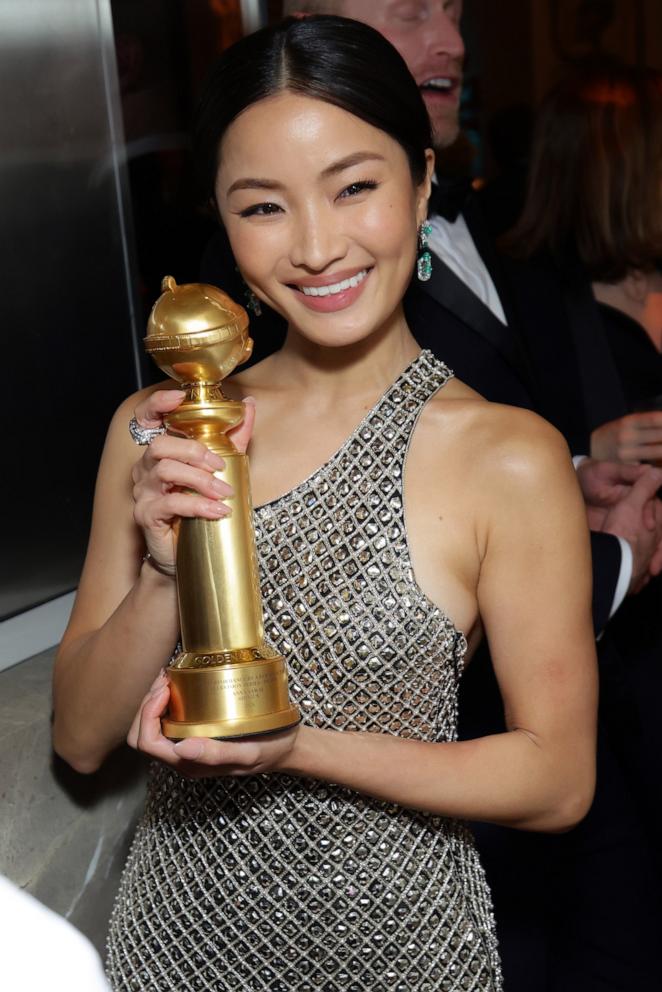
{"x": 317, "y": 240}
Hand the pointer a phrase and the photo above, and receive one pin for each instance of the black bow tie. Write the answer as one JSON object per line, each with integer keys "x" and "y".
{"x": 448, "y": 198}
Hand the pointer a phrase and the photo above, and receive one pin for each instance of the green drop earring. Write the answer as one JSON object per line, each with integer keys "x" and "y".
{"x": 424, "y": 261}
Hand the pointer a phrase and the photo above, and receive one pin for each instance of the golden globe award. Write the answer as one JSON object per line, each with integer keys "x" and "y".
{"x": 226, "y": 682}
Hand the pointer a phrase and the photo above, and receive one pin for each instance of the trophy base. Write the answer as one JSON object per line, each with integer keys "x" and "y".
{"x": 227, "y": 730}
{"x": 228, "y": 700}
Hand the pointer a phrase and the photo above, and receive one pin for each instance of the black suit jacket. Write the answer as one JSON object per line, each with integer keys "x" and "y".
{"x": 563, "y": 332}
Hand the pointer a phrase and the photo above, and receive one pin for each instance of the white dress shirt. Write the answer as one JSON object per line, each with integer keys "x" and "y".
{"x": 452, "y": 242}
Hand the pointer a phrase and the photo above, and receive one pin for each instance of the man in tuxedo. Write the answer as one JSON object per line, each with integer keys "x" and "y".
{"x": 464, "y": 315}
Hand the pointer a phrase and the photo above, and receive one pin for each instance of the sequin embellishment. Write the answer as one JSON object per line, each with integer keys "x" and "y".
{"x": 278, "y": 884}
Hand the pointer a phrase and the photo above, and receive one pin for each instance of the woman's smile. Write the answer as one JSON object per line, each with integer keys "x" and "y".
{"x": 336, "y": 291}
{"x": 324, "y": 229}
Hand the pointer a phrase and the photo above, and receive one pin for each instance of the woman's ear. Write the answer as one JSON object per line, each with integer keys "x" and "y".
{"x": 423, "y": 191}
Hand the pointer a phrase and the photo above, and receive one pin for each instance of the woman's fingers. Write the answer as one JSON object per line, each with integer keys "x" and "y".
{"x": 223, "y": 757}
{"x": 201, "y": 757}
{"x": 159, "y": 683}
{"x": 167, "y": 474}
{"x": 179, "y": 477}
{"x": 171, "y": 464}
{"x": 150, "y": 739}
{"x": 154, "y": 513}
{"x": 149, "y": 412}
{"x": 195, "y": 757}
{"x": 182, "y": 449}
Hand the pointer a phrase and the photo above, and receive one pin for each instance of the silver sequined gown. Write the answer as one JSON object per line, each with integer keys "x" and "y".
{"x": 279, "y": 884}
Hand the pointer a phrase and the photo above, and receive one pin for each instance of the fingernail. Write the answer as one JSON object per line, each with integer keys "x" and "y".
{"x": 214, "y": 460}
{"x": 189, "y": 749}
{"x": 159, "y": 684}
{"x": 250, "y": 400}
{"x": 222, "y": 487}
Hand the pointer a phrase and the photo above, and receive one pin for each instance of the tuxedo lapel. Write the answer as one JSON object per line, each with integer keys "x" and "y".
{"x": 484, "y": 242}
{"x": 448, "y": 289}
{"x": 451, "y": 292}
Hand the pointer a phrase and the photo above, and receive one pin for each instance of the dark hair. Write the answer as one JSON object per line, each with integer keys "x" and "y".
{"x": 340, "y": 61}
{"x": 595, "y": 184}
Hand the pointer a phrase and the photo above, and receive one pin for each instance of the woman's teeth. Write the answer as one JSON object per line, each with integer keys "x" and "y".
{"x": 336, "y": 287}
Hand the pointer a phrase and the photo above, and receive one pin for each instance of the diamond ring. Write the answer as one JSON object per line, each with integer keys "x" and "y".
{"x": 144, "y": 435}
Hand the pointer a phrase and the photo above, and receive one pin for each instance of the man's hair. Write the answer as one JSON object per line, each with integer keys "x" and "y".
{"x": 595, "y": 181}
{"x": 312, "y": 7}
{"x": 340, "y": 61}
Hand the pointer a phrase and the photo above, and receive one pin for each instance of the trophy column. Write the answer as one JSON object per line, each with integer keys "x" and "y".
{"x": 227, "y": 682}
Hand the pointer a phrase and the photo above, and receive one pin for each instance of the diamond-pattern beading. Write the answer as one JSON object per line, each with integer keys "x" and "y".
{"x": 292, "y": 885}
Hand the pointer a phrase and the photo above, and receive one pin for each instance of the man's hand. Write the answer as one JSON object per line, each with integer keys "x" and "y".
{"x": 603, "y": 484}
{"x": 636, "y": 517}
{"x": 636, "y": 437}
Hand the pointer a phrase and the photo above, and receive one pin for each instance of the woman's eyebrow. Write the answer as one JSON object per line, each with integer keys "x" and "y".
{"x": 254, "y": 184}
{"x": 356, "y": 158}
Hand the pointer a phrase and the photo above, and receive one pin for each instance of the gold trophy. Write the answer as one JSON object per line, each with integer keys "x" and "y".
{"x": 226, "y": 681}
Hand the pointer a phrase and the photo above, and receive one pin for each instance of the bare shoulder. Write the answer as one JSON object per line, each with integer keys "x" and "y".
{"x": 501, "y": 444}
{"x": 515, "y": 445}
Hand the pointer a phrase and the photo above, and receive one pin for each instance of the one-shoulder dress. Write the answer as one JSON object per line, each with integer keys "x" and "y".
{"x": 272, "y": 883}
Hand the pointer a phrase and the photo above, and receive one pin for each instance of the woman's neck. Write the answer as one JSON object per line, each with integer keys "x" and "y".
{"x": 367, "y": 366}
{"x": 639, "y": 296}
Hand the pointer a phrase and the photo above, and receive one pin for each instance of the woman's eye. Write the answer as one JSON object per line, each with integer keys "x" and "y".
{"x": 260, "y": 210}
{"x": 354, "y": 188}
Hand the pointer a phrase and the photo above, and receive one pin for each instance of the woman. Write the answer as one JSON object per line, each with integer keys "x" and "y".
{"x": 592, "y": 222}
{"x": 330, "y": 856}
{"x": 593, "y": 213}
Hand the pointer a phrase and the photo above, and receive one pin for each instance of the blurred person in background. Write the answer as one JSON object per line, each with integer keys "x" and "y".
{"x": 591, "y": 235}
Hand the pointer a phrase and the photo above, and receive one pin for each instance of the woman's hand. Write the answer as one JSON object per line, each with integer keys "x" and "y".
{"x": 200, "y": 757}
{"x": 178, "y": 477}
{"x": 636, "y": 437}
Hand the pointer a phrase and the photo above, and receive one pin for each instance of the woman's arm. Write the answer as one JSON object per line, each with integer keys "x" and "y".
{"x": 534, "y": 598}
{"x": 124, "y": 624}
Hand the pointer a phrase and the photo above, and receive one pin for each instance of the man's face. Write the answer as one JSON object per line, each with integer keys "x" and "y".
{"x": 427, "y": 35}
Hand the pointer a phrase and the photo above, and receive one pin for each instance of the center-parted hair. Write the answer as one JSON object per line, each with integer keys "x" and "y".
{"x": 334, "y": 59}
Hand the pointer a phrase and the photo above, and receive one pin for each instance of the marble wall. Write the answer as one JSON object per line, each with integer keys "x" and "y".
{"x": 63, "y": 836}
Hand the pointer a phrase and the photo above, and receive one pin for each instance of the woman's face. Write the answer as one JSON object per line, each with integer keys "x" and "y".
{"x": 322, "y": 215}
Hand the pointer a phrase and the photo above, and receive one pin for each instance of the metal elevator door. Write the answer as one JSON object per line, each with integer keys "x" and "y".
{"x": 71, "y": 346}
